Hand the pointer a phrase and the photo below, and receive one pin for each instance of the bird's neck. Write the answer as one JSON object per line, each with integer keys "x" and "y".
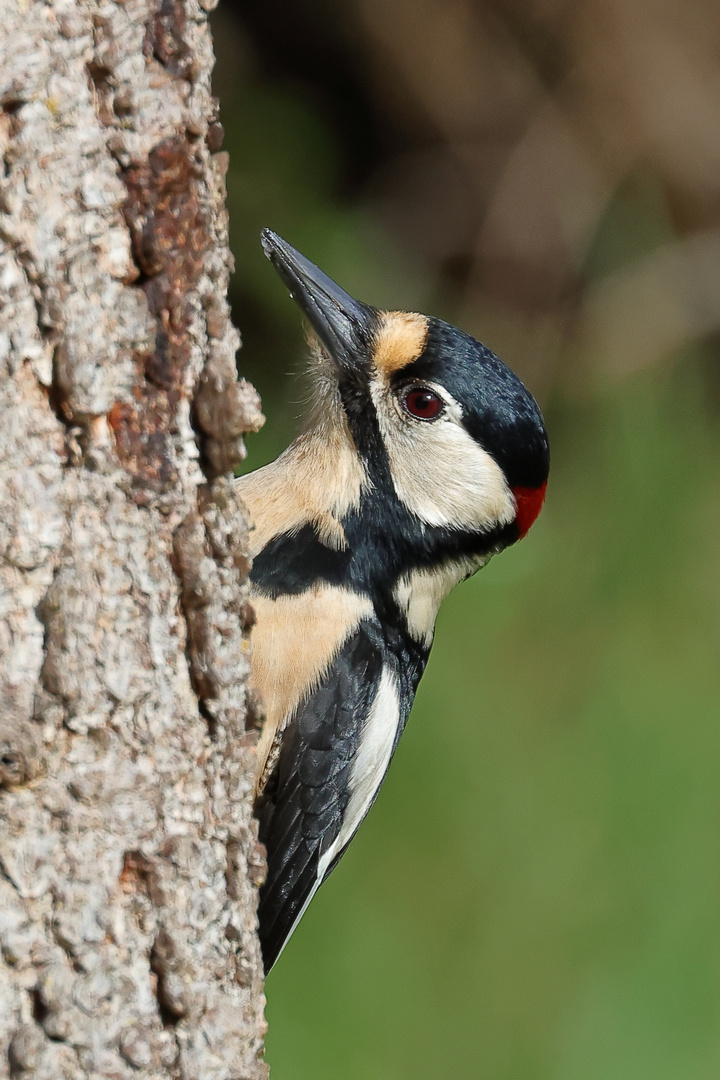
{"x": 315, "y": 482}
{"x": 318, "y": 519}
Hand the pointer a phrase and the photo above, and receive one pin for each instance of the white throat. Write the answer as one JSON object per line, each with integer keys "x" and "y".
{"x": 420, "y": 593}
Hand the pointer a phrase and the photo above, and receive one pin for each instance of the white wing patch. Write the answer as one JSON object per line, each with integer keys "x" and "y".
{"x": 369, "y": 768}
{"x": 370, "y": 765}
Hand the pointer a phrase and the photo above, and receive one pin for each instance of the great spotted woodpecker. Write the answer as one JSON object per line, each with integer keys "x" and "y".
{"x": 423, "y": 457}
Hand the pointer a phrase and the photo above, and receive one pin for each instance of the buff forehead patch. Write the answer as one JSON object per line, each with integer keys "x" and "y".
{"x": 400, "y": 339}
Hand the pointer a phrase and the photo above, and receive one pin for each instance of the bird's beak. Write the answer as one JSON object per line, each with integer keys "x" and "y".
{"x": 345, "y": 326}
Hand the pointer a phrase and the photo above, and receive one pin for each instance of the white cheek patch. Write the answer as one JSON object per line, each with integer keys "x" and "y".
{"x": 370, "y": 764}
{"x": 439, "y": 472}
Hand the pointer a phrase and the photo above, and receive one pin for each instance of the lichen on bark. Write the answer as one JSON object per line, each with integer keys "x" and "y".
{"x": 128, "y": 855}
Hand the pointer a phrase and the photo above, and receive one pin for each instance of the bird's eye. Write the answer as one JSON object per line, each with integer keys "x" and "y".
{"x": 422, "y": 403}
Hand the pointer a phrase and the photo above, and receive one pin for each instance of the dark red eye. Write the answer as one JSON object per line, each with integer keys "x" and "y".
{"x": 422, "y": 403}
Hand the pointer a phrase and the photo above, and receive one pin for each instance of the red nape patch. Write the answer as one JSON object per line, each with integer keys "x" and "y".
{"x": 529, "y": 503}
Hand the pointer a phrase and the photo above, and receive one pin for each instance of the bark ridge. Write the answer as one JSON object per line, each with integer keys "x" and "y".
{"x": 128, "y": 854}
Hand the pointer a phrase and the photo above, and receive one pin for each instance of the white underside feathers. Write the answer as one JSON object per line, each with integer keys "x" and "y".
{"x": 420, "y": 593}
{"x": 370, "y": 764}
{"x": 367, "y": 774}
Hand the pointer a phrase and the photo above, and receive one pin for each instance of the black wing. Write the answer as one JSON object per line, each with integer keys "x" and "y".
{"x": 301, "y": 810}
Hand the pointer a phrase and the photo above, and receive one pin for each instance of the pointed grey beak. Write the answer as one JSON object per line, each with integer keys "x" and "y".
{"x": 344, "y": 326}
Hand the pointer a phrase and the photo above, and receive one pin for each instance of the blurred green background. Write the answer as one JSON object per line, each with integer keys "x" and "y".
{"x": 536, "y": 894}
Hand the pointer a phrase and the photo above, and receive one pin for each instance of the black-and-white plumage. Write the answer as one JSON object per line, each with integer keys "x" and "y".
{"x": 423, "y": 457}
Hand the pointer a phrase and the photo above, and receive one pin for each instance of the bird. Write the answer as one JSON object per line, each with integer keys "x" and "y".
{"x": 422, "y": 457}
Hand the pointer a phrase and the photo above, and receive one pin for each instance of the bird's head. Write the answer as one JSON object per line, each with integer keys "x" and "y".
{"x": 427, "y": 406}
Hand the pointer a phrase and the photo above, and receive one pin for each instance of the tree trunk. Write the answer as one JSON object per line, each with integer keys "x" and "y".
{"x": 128, "y": 854}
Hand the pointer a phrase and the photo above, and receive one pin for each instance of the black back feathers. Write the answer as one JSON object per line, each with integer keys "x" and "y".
{"x": 301, "y": 810}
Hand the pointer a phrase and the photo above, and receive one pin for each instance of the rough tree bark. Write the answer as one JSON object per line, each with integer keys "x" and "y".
{"x": 128, "y": 855}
